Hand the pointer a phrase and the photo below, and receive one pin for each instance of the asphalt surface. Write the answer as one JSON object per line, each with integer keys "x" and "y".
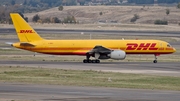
{"x": 160, "y": 68}
{"x": 26, "y": 92}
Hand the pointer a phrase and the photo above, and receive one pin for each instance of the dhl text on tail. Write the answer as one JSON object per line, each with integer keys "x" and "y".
{"x": 98, "y": 49}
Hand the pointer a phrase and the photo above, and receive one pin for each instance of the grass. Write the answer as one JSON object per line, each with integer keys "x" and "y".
{"x": 129, "y": 58}
{"x": 14, "y": 51}
{"x": 87, "y": 78}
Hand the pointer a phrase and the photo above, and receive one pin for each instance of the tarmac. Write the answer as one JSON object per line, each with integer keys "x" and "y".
{"x": 161, "y": 68}
{"x": 29, "y": 92}
{"x": 33, "y": 92}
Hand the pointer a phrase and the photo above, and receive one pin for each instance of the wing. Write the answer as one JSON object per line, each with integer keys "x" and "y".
{"x": 100, "y": 49}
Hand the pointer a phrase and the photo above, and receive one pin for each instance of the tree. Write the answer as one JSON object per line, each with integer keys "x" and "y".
{"x": 13, "y": 2}
{"x": 69, "y": 2}
{"x": 161, "y": 22}
{"x": 100, "y": 13}
{"x": 141, "y": 1}
{"x": 52, "y": 2}
{"x": 25, "y": 2}
{"x": 167, "y": 11}
{"x": 56, "y": 20}
{"x": 46, "y": 20}
{"x": 22, "y": 15}
{"x": 82, "y": 2}
{"x": 26, "y": 19}
{"x": 178, "y": 6}
{"x": 60, "y": 8}
{"x": 33, "y": 3}
{"x": 35, "y": 18}
{"x": 136, "y": 16}
{"x": 10, "y": 21}
{"x": 121, "y": 1}
{"x": 74, "y": 19}
{"x": 69, "y": 19}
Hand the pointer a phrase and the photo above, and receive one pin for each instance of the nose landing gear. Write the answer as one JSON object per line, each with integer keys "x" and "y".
{"x": 155, "y": 61}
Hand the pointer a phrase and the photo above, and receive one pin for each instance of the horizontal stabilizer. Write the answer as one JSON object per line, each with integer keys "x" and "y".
{"x": 27, "y": 44}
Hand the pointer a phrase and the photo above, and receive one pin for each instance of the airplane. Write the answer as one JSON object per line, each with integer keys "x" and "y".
{"x": 98, "y": 49}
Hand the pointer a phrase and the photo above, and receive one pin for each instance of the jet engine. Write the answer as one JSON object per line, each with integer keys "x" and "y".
{"x": 117, "y": 55}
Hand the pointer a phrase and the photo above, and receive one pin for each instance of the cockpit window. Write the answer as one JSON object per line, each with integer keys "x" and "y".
{"x": 168, "y": 45}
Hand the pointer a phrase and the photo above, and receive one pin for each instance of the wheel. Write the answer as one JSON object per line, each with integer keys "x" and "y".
{"x": 85, "y": 61}
{"x": 89, "y": 61}
{"x": 97, "y": 61}
{"x": 155, "y": 61}
{"x": 93, "y": 61}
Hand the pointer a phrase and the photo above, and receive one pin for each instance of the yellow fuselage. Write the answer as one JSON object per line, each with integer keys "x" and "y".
{"x": 81, "y": 47}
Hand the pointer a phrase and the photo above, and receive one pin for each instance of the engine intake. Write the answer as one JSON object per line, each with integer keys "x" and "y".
{"x": 118, "y": 55}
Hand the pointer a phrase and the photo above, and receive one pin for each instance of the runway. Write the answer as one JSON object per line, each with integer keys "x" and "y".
{"x": 161, "y": 68}
{"x": 28, "y": 92}
{"x": 116, "y": 32}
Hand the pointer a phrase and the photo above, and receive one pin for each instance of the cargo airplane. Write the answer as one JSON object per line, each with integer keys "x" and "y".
{"x": 99, "y": 49}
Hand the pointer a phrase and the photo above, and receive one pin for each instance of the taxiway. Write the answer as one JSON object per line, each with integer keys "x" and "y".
{"x": 27, "y": 92}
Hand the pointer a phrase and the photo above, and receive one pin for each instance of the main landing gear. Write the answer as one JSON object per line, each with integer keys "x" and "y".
{"x": 91, "y": 61}
{"x": 88, "y": 60}
{"x": 155, "y": 56}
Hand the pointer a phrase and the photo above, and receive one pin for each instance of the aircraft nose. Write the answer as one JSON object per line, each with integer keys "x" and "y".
{"x": 174, "y": 50}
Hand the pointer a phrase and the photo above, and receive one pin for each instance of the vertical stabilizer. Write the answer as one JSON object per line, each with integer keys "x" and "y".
{"x": 24, "y": 31}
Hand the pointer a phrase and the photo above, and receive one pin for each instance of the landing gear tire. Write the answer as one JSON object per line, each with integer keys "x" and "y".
{"x": 85, "y": 61}
{"x": 97, "y": 61}
{"x": 155, "y": 56}
{"x": 91, "y": 61}
{"x": 155, "y": 61}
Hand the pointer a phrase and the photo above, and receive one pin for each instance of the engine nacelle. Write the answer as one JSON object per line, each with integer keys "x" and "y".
{"x": 118, "y": 55}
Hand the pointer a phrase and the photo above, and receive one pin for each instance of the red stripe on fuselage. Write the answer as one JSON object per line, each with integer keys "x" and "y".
{"x": 84, "y": 53}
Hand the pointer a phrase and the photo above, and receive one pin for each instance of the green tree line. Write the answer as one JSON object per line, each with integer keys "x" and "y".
{"x": 68, "y": 19}
{"x": 55, "y": 3}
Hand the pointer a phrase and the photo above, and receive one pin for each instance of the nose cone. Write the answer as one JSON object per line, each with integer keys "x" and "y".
{"x": 174, "y": 50}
